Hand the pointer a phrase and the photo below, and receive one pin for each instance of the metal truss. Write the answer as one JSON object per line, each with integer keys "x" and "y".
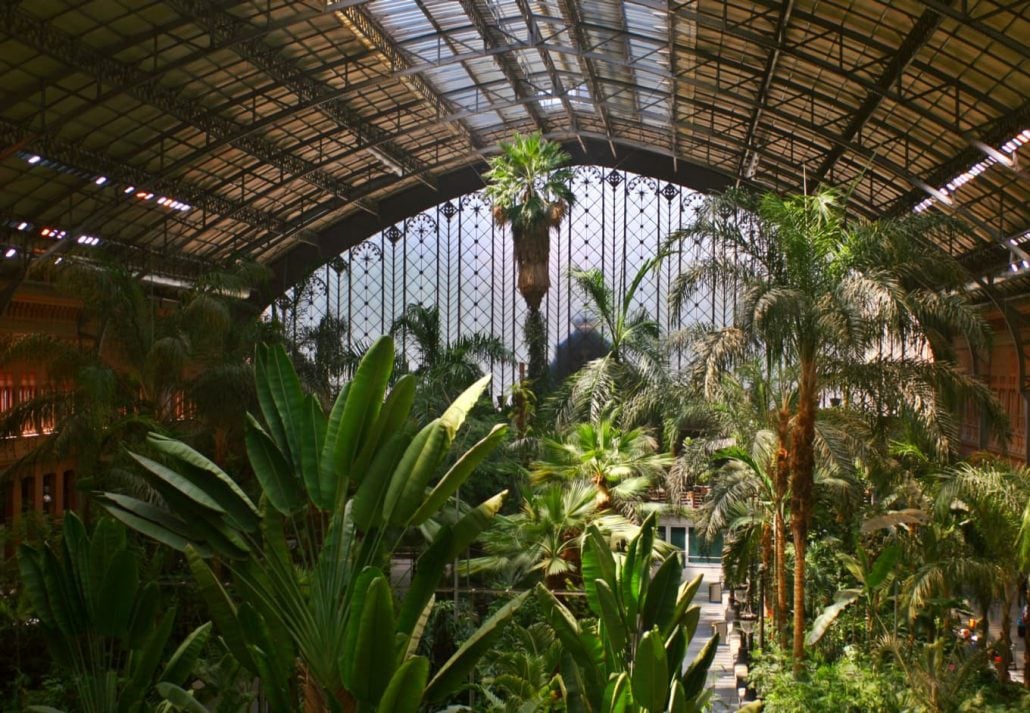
{"x": 557, "y": 86}
{"x": 914, "y": 41}
{"x": 571, "y": 15}
{"x": 375, "y": 38}
{"x": 73, "y": 155}
{"x": 141, "y": 86}
{"x": 496, "y": 42}
{"x": 226, "y": 28}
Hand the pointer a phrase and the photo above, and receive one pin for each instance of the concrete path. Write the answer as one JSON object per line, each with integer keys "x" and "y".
{"x": 721, "y": 675}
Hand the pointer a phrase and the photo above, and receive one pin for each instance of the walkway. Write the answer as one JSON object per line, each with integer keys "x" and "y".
{"x": 720, "y": 676}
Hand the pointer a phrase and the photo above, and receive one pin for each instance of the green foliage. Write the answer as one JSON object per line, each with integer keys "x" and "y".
{"x": 526, "y": 181}
{"x": 850, "y": 684}
{"x": 633, "y": 657}
{"x": 101, "y": 623}
{"x": 339, "y": 490}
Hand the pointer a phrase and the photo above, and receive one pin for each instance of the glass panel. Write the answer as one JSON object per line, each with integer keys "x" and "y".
{"x": 679, "y": 537}
{"x": 702, "y": 551}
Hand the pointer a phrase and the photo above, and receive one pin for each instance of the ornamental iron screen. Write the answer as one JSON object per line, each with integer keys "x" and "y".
{"x": 455, "y": 256}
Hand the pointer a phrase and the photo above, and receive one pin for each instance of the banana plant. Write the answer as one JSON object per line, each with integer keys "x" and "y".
{"x": 101, "y": 623}
{"x": 338, "y": 491}
{"x": 633, "y": 657}
{"x": 874, "y": 575}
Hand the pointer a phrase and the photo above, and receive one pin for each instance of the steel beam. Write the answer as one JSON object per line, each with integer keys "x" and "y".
{"x": 138, "y": 84}
{"x": 557, "y": 87}
{"x": 571, "y": 15}
{"x": 494, "y": 41}
{"x": 72, "y": 154}
{"x": 748, "y": 155}
{"x": 224, "y": 27}
{"x": 914, "y": 41}
{"x": 375, "y": 37}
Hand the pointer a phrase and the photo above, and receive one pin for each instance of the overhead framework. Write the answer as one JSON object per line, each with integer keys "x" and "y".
{"x": 191, "y": 132}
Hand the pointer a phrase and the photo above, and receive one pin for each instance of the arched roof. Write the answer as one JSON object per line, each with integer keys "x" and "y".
{"x": 286, "y": 130}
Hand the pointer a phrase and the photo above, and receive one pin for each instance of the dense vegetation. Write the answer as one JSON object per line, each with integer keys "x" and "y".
{"x": 258, "y": 544}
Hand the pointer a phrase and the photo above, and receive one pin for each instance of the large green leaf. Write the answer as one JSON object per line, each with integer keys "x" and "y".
{"x": 458, "y": 474}
{"x": 360, "y": 411}
{"x": 615, "y": 626}
{"x": 598, "y": 563}
{"x": 404, "y": 693}
{"x": 617, "y": 694}
{"x": 455, "y": 670}
{"x": 143, "y": 663}
{"x": 306, "y": 445}
{"x": 264, "y": 380}
{"x": 883, "y": 566}
{"x": 216, "y": 481}
{"x": 127, "y": 510}
{"x": 693, "y": 679}
{"x": 456, "y": 413}
{"x": 374, "y": 656}
{"x": 356, "y": 594}
{"x": 650, "y": 677}
{"x": 118, "y": 594}
{"x": 182, "y": 662}
{"x": 841, "y": 601}
{"x": 450, "y": 542}
{"x": 180, "y": 698}
{"x": 393, "y": 418}
{"x": 660, "y": 600}
{"x": 278, "y": 481}
{"x": 686, "y": 594}
{"x": 194, "y": 492}
{"x": 221, "y": 609}
{"x": 408, "y": 484}
{"x": 30, "y": 569}
{"x": 368, "y": 502}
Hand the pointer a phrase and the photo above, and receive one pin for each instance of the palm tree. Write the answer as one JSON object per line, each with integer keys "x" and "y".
{"x": 988, "y": 499}
{"x": 836, "y": 301}
{"x": 180, "y": 367}
{"x": 444, "y": 369}
{"x": 620, "y": 465}
{"x": 323, "y": 358}
{"x": 531, "y": 192}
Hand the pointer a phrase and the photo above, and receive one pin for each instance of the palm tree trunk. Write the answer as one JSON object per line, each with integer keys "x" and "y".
{"x": 802, "y": 479}
{"x": 781, "y": 479}
{"x": 1005, "y": 640}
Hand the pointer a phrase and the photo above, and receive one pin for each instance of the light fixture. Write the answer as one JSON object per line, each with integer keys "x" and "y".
{"x": 23, "y": 225}
{"x": 129, "y": 190}
{"x": 993, "y": 156}
{"x": 34, "y": 159}
{"x": 11, "y": 252}
{"x": 100, "y": 180}
{"x": 45, "y": 232}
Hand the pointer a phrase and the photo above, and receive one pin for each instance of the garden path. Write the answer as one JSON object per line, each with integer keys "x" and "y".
{"x": 721, "y": 675}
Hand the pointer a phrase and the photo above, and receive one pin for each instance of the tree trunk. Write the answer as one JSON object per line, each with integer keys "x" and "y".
{"x": 1005, "y": 639}
{"x": 780, "y": 483}
{"x": 535, "y": 333}
{"x": 802, "y": 472}
{"x": 532, "y": 256}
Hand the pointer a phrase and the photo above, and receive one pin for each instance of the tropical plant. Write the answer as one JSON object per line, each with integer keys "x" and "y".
{"x": 181, "y": 368}
{"x": 988, "y": 498}
{"x": 102, "y": 624}
{"x": 531, "y": 192}
{"x": 832, "y": 299}
{"x": 444, "y": 369}
{"x": 634, "y": 657}
{"x": 322, "y": 356}
{"x": 521, "y": 677}
{"x": 621, "y": 465}
{"x": 338, "y": 492}
{"x": 544, "y": 538}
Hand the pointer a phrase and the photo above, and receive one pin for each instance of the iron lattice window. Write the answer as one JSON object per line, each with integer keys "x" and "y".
{"x": 455, "y": 256}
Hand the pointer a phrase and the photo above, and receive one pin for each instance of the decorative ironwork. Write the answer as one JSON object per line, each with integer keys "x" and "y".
{"x": 456, "y": 257}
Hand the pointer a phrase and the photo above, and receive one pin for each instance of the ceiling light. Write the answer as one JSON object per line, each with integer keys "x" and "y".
{"x": 34, "y": 159}
{"x": 101, "y": 180}
{"x": 11, "y": 252}
{"x": 45, "y": 232}
{"x": 58, "y": 260}
{"x": 22, "y": 225}
{"x": 128, "y": 190}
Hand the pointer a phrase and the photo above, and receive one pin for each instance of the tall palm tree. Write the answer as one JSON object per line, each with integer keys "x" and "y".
{"x": 531, "y": 191}
{"x": 444, "y": 369}
{"x": 835, "y": 300}
{"x": 620, "y": 465}
{"x": 632, "y": 383}
{"x": 989, "y": 499}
